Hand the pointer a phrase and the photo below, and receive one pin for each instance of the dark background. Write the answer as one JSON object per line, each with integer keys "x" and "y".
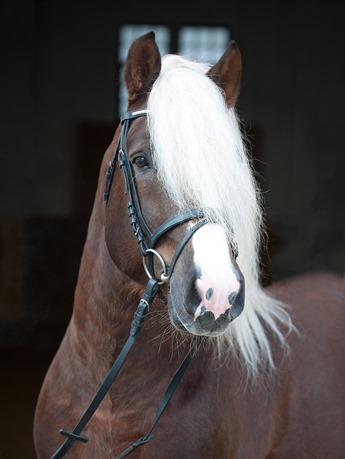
{"x": 58, "y": 113}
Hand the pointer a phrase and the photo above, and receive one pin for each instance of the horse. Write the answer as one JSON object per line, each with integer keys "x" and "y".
{"x": 174, "y": 348}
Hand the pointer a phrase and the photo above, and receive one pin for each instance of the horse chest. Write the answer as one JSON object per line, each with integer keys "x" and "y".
{"x": 190, "y": 426}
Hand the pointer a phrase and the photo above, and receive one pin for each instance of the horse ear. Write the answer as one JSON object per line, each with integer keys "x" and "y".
{"x": 226, "y": 73}
{"x": 142, "y": 67}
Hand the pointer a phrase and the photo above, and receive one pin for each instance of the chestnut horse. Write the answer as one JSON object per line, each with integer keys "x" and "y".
{"x": 210, "y": 365}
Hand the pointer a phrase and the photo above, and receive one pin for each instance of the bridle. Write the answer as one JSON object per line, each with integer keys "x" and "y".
{"x": 147, "y": 241}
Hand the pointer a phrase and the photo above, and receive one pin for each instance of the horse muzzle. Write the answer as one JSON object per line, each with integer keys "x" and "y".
{"x": 204, "y": 305}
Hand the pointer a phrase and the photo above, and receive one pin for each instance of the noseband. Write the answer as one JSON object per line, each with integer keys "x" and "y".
{"x": 147, "y": 239}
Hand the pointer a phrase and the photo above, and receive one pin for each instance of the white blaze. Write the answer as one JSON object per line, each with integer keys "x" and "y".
{"x": 218, "y": 280}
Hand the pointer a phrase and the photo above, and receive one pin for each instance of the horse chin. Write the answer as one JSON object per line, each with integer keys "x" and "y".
{"x": 209, "y": 327}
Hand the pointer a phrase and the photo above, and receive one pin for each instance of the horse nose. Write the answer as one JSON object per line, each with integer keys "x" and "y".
{"x": 218, "y": 286}
{"x": 216, "y": 301}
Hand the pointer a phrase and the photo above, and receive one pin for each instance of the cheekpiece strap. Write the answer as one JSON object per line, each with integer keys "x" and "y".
{"x": 111, "y": 167}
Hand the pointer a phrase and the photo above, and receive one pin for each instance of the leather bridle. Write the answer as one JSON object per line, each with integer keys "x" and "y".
{"x": 147, "y": 241}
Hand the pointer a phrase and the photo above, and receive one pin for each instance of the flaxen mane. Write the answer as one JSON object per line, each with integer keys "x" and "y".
{"x": 211, "y": 170}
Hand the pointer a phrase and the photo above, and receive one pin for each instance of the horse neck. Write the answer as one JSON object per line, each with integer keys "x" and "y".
{"x": 98, "y": 294}
{"x": 105, "y": 298}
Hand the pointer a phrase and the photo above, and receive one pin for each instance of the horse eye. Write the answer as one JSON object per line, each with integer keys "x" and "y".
{"x": 141, "y": 162}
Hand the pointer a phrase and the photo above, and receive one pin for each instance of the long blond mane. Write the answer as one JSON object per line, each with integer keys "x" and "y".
{"x": 202, "y": 162}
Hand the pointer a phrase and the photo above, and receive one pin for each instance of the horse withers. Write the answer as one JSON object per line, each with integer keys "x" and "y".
{"x": 174, "y": 349}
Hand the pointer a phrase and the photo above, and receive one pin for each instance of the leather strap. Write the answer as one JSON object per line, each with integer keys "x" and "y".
{"x": 165, "y": 400}
{"x": 175, "y": 221}
{"x": 75, "y": 434}
{"x": 145, "y": 237}
{"x": 182, "y": 244}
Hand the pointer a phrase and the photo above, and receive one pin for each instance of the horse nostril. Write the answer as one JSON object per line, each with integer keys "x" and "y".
{"x": 202, "y": 310}
{"x": 193, "y": 300}
{"x": 232, "y": 297}
{"x": 209, "y": 294}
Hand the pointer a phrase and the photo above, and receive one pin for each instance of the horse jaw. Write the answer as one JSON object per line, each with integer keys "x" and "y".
{"x": 207, "y": 299}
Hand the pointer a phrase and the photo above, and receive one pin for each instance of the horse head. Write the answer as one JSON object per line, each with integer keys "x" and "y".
{"x": 165, "y": 185}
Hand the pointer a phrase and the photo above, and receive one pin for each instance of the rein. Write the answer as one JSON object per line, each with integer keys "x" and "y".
{"x": 147, "y": 241}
